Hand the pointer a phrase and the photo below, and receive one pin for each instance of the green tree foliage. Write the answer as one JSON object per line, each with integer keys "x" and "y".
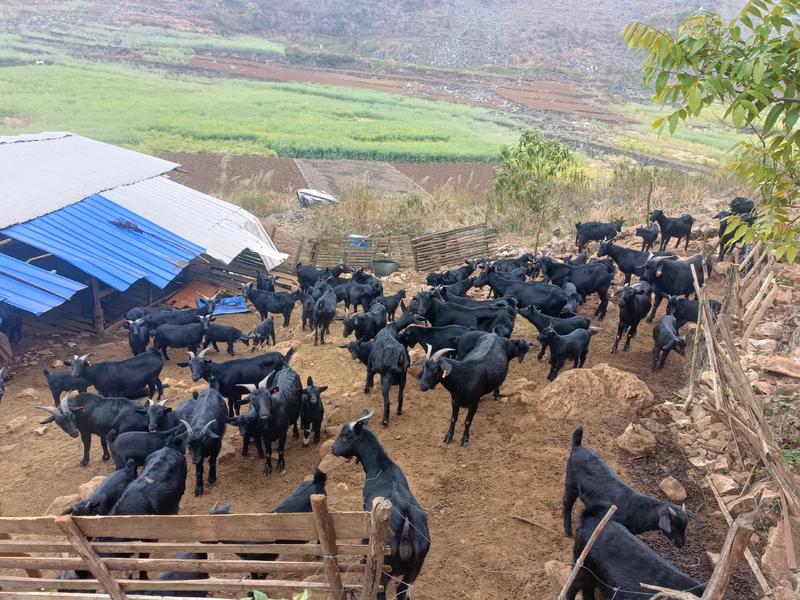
{"x": 749, "y": 66}
{"x": 528, "y": 173}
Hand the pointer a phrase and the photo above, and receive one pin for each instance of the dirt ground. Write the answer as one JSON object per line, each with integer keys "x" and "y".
{"x": 476, "y": 177}
{"x": 479, "y": 551}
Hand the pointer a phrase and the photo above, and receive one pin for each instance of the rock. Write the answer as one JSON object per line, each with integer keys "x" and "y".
{"x": 41, "y": 430}
{"x": 787, "y": 389}
{"x": 673, "y": 489}
{"x": 57, "y": 364}
{"x": 744, "y": 504}
{"x": 637, "y": 440}
{"x": 325, "y": 447}
{"x": 330, "y": 463}
{"x": 783, "y": 296}
{"x": 16, "y": 424}
{"x": 713, "y": 559}
{"x": 62, "y": 503}
{"x": 774, "y": 560}
{"x": 722, "y": 267}
{"x": 653, "y": 426}
{"x": 724, "y": 484}
{"x": 85, "y": 490}
{"x": 577, "y": 390}
{"x": 28, "y": 393}
{"x": 557, "y": 571}
{"x": 698, "y": 462}
{"x": 781, "y": 365}
{"x": 764, "y": 345}
{"x": 226, "y": 453}
{"x": 770, "y": 329}
{"x": 764, "y": 387}
{"x": 720, "y": 465}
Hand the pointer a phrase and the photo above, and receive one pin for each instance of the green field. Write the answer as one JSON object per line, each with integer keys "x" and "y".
{"x": 158, "y": 111}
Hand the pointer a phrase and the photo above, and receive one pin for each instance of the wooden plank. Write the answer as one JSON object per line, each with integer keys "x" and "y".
{"x": 55, "y": 595}
{"x": 18, "y": 546}
{"x": 753, "y": 305}
{"x": 175, "y": 564}
{"x": 327, "y": 539}
{"x": 18, "y": 553}
{"x": 729, "y": 558}
{"x": 237, "y": 586}
{"x": 76, "y": 537}
{"x": 378, "y": 534}
{"x": 579, "y": 562}
{"x": 762, "y": 308}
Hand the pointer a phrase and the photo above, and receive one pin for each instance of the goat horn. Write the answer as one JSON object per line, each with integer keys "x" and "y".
{"x": 248, "y": 386}
{"x": 264, "y": 382}
{"x": 149, "y": 402}
{"x": 191, "y": 355}
{"x": 202, "y": 353}
{"x": 85, "y": 356}
{"x": 53, "y": 411}
{"x": 430, "y": 349}
{"x": 139, "y": 321}
{"x": 365, "y": 416}
{"x": 187, "y": 425}
{"x": 163, "y": 402}
{"x": 65, "y": 403}
{"x": 207, "y": 425}
{"x": 440, "y": 353}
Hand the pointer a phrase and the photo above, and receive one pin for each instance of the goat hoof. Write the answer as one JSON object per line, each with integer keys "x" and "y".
{"x": 464, "y": 441}
{"x": 613, "y": 350}
{"x": 281, "y": 465}
{"x": 198, "y": 491}
{"x": 447, "y": 438}
{"x": 105, "y": 457}
{"x": 384, "y": 423}
{"x": 84, "y": 463}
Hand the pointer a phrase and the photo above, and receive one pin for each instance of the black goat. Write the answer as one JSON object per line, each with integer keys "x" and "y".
{"x": 453, "y": 276}
{"x": 189, "y": 336}
{"x": 594, "y": 231}
{"x": 105, "y": 496}
{"x": 390, "y": 359}
{"x": 392, "y": 302}
{"x": 728, "y": 224}
{"x": 204, "y": 432}
{"x": 481, "y": 371}
{"x": 161, "y": 316}
{"x": 673, "y": 227}
{"x": 630, "y": 262}
{"x": 138, "y": 335}
{"x": 591, "y": 480}
{"x": 6, "y": 377}
{"x": 249, "y": 428}
{"x": 161, "y": 417}
{"x": 278, "y": 399}
{"x": 11, "y": 322}
{"x": 591, "y": 278}
{"x": 634, "y": 304}
{"x": 459, "y": 288}
{"x": 307, "y": 275}
{"x": 550, "y": 299}
{"x": 561, "y": 326}
{"x": 410, "y": 539}
{"x": 264, "y": 332}
{"x": 265, "y": 283}
{"x": 619, "y": 563}
{"x": 440, "y": 313}
{"x": 312, "y": 411}
{"x": 138, "y": 445}
{"x": 86, "y": 414}
{"x": 686, "y": 311}
{"x": 365, "y": 325}
{"x": 228, "y": 375}
{"x": 324, "y": 312}
{"x": 307, "y": 302}
{"x": 574, "y": 346}
{"x": 573, "y": 297}
{"x": 227, "y": 334}
{"x": 281, "y": 303}
{"x": 666, "y": 339}
{"x": 672, "y": 278}
{"x": 435, "y": 337}
{"x": 516, "y": 348}
{"x": 159, "y": 488}
{"x": 63, "y": 381}
{"x": 356, "y": 294}
{"x": 116, "y": 377}
{"x": 580, "y": 259}
{"x": 649, "y": 236}
{"x": 360, "y": 351}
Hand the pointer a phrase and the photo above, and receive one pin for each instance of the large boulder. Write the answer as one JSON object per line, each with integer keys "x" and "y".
{"x": 62, "y": 503}
{"x": 673, "y": 489}
{"x": 557, "y": 571}
{"x": 637, "y": 440}
{"x": 577, "y": 391}
{"x": 775, "y": 559}
{"x": 86, "y": 490}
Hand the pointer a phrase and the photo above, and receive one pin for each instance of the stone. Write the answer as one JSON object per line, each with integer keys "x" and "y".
{"x": 16, "y": 424}
{"x": 330, "y": 463}
{"x": 722, "y": 267}
{"x": 770, "y": 329}
{"x": 57, "y": 364}
{"x": 698, "y": 462}
{"x": 28, "y": 393}
{"x": 86, "y": 490}
{"x": 557, "y": 571}
{"x": 741, "y": 505}
{"x": 720, "y": 465}
{"x": 637, "y": 440}
{"x": 787, "y": 389}
{"x": 764, "y": 387}
{"x": 41, "y": 430}
{"x": 724, "y": 484}
{"x": 713, "y": 558}
{"x": 782, "y": 365}
{"x": 325, "y": 447}
{"x": 673, "y": 489}
{"x": 653, "y": 426}
{"x": 783, "y": 296}
{"x": 764, "y": 345}
{"x": 226, "y": 453}
{"x": 774, "y": 560}
{"x": 62, "y": 503}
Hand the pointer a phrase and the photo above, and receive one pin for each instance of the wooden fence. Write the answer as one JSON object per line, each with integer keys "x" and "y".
{"x": 334, "y": 250}
{"x": 446, "y": 248}
{"x": 327, "y": 550}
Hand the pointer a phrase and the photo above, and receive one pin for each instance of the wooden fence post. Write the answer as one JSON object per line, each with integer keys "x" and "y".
{"x": 97, "y": 306}
{"x": 75, "y": 537}
{"x": 299, "y": 250}
{"x": 327, "y": 539}
{"x": 579, "y": 562}
{"x": 729, "y": 558}
{"x": 378, "y": 534}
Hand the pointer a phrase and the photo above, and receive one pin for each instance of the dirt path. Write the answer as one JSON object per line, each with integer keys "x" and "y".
{"x": 479, "y": 551}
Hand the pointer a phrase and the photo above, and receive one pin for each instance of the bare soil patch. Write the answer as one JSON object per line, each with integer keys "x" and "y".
{"x": 476, "y": 177}
{"x": 513, "y": 465}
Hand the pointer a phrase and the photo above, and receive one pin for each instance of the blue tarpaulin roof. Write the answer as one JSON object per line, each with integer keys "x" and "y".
{"x": 33, "y": 289}
{"x": 108, "y": 242}
{"x": 227, "y": 306}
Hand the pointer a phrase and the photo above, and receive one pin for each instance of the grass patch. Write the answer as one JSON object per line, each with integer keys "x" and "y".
{"x": 158, "y": 112}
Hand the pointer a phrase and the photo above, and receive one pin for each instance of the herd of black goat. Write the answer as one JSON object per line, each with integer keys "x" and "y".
{"x": 468, "y": 344}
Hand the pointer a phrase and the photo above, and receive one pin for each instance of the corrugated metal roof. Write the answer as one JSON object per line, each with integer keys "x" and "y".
{"x": 33, "y": 289}
{"x": 109, "y": 242}
{"x": 224, "y": 229}
{"x": 44, "y": 172}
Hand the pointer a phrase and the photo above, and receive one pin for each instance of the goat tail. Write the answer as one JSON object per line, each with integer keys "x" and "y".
{"x": 290, "y": 353}
{"x": 577, "y": 437}
{"x": 320, "y": 477}
{"x": 406, "y": 549}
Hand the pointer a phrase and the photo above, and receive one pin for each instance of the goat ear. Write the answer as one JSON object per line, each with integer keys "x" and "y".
{"x": 323, "y": 388}
{"x": 664, "y": 524}
{"x": 309, "y": 381}
{"x": 447, "y": 367}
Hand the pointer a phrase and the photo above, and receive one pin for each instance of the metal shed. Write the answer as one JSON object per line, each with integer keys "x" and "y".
{"x": 33, "y": 289}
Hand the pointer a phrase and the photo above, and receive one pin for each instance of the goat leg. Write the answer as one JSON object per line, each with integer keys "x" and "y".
{"x": 212, "y": 468}
{"x": 281, "y": 448}
{"x": 198, "y": 485}
{"x": 402, "y": 384}
{"x": 104, "y": 444}
{"x": 386, "y": 386}
{"x": 86, "y": 438}
{"x": 448, "y": 437}
{"x": 468, "y": 422}
{"x": 268, "y": 456}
